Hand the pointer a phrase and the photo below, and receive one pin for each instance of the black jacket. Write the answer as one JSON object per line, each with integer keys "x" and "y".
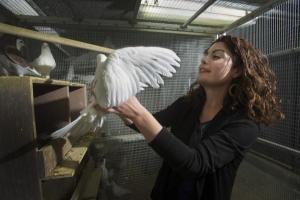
{"x": 215, "y": 159}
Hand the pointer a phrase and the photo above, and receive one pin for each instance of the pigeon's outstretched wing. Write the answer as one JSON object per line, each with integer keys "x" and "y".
{"x": 129, "y": 70}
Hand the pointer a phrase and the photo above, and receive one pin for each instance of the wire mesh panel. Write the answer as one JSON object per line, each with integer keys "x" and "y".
{"x": 276, "y": 34}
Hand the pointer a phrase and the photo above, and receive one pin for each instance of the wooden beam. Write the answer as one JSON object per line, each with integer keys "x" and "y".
{"x": 23, "y": 32}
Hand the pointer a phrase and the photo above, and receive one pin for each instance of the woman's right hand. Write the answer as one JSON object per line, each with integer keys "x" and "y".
{"x": 112, "y": 110}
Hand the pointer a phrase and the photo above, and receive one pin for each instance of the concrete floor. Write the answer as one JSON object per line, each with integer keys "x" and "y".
{"x": 253, "y": 183}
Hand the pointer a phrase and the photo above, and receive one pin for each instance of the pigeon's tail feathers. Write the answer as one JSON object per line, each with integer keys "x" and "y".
{"x": 27, "y": 71}
{"x": 89, "y": 120}
{"x": 33, "y": 71}
{"x": 64, "y": 131}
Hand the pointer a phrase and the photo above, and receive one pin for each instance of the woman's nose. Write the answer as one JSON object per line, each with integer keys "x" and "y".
{"x": 204, "y": 60}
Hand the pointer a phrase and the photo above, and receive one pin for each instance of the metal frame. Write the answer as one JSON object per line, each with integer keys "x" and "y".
{"x": 252, "y": 15}
{"x": 285, "y": 52}
{"x": 201, "y": 10}
{"x": 135, "y": 24}
{"x": 135, "y": 12}
{"x": 7, "y": 13}
{"x": 36, "y": 7}
{"x": 75, "y": 16}
{"x": 282, "y": 147}
{"x": 119, "y": 25}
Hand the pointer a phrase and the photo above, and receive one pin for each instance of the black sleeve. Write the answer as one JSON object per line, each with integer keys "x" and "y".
{"x": 213, "y": 152}
{"x": 167, "y": 116}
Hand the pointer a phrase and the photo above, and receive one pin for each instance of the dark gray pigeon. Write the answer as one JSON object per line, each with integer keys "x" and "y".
{"x": 12, "y": 62}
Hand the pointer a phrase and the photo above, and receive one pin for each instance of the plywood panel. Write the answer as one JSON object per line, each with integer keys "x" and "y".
{"x": 25, "y": 113}
{"x": 52, "y": 110}
{"x": 78, "y": 101}
{"x": 18, "y": 177}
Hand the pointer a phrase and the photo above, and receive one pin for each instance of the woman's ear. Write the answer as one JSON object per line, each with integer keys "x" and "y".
{"x": 236, "y": 72}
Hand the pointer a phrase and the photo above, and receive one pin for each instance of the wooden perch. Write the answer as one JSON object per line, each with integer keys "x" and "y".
{"x": 27, "y": 33}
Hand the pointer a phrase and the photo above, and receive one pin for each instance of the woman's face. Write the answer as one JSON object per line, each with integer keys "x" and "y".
{"x": 216, "y": 66}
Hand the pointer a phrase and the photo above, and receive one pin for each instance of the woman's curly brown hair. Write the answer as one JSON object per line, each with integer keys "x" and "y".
{"x": 253, "y": 91}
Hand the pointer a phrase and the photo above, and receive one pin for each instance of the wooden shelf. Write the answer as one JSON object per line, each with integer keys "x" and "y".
{"x": 72, "y": 159}
{"x": 30, "y": 109}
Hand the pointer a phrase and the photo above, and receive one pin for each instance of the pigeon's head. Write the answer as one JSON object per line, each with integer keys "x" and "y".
{"x": 45, "y": 49}
{"x": 45, "y": 45}
{"x": 100, "y": 58}
{"x": 19, "y": 44}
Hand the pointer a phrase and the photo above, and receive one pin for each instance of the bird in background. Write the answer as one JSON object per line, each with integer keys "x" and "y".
{"x": 12, "y": 44}
{"x": 12, "y": 62}
{"x": 45, "y": 63}
{"x": 109, "y": 185}
{"x": 121, "y": 75}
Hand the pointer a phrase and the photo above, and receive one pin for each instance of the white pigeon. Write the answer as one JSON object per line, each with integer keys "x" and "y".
{"x": 121, "y": 75}
{"x": 45, "y": 63}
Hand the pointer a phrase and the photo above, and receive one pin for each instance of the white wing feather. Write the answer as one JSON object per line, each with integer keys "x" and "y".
{"x": 129, "y": 70}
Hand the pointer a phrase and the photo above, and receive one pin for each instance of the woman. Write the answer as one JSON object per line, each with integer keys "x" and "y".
{"x": 212, "y": 127}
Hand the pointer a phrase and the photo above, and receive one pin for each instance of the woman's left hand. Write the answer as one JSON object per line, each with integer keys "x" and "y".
{"x": 132, "y": 109}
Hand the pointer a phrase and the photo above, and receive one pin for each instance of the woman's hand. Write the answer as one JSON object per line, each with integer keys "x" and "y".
{"x": 112, "y": 110}
{"x": 133, "y": 110}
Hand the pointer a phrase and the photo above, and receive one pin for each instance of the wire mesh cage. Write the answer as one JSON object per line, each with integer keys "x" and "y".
{"x": 130, "y": 165}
